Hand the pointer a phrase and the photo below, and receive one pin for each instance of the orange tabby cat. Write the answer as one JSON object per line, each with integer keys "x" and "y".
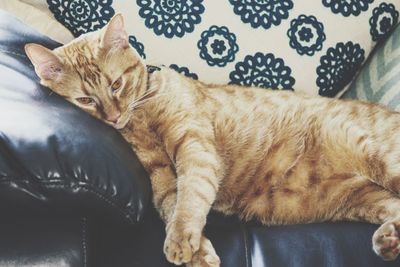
{"x": 274, "y": 156}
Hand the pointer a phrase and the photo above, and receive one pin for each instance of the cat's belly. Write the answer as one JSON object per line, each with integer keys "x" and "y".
{"x": 296, "y": 163}
{"x": 268, "y": 203}
{"x": 296, "y": 195}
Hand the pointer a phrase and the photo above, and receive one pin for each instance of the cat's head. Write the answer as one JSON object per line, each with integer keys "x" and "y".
{"x": 99, "y": 72}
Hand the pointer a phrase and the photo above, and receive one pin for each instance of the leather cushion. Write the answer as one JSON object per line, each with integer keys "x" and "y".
{"x": 238, "y": 244}
{"x": 53, "y": 156}
{"x": 46, "y": 242}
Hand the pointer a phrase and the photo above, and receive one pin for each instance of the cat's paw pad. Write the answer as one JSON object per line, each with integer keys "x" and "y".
{"x": 181, "y": 244}
{"x": 206, "y": 256}
{"x": 205, "y": 261}
{"x": 386, "y": 242}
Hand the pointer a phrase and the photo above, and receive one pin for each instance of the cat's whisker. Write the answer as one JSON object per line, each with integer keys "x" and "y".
{"x": 142, "y": 100}
{"x": 144, "y": 96}
{"x": 132, "y": 107}
{"x": 139, "y": 103}
{"x": 139, "y": 100}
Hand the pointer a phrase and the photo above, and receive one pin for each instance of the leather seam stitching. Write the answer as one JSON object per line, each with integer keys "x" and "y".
{"x": 85, "y": 186}
{"x": 246, "y": 249}
{"x": 84, "y": 243}
{"x": 100, "y": 196}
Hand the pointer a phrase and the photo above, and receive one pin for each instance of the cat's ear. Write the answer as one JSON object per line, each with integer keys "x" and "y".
{"x": 114, "y": 34}
{"x": 47, "y": 65}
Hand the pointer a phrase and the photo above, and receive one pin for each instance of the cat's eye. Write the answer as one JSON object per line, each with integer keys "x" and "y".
{"x": 116, "y": 85}
{"x": 85, "y": 100}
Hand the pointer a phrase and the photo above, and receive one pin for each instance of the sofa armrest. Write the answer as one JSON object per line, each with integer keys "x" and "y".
{"x": 53, "y": 156}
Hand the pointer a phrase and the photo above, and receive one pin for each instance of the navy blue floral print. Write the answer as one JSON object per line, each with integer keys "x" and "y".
{"x": 338, "y": 67}
{"x": 185, "y": 71}
{"x": 171, "y": 17}
{"x": 384, "y": 18}
{"x": 265, "y": 43}
{"x": 81, "y": 16}
{"x": 262, "y": 70}
{"x": 217, "y": 46}
{"x": 306, "y": 35}
{"x": 137, "y": 45}
{"x": 262, "y": 13}
{"x": 347, "y": 7}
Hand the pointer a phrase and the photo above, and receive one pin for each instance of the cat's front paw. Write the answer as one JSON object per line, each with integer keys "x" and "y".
{"x": 181, "y": 243}
{"x": 386, "y": 242}
{"x": 205, "y": 256}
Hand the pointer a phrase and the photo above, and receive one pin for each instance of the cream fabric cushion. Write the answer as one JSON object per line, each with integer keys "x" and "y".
{"x": 312, "y": 46}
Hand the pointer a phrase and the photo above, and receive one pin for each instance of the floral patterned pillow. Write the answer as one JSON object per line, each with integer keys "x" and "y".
{"x": 316, "y": 46}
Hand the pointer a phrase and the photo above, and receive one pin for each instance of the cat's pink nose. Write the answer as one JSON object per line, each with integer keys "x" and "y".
{"x": 114, "y": 117}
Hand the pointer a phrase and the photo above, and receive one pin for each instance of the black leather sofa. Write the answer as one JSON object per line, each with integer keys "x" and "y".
{"x": 72, "y": 193}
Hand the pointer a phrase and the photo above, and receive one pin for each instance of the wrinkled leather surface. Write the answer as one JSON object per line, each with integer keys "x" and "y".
{"x": 53, "y": 156}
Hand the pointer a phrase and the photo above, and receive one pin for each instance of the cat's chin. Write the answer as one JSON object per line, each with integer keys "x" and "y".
{"x": 121, "y": 125}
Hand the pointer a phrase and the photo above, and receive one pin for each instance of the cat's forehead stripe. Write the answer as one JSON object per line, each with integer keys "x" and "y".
{"x": 83, "y": 88}
{"x": 82, "y": 61}
{"x": 108, "y": 78}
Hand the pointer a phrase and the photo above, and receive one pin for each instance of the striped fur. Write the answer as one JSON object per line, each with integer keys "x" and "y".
{"x": 277, "y": 157}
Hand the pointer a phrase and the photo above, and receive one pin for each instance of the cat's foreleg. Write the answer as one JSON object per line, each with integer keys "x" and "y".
{"x": 160, "y": 169}
{"x": 163, "y": 181}
{"x": 164, "y": 199}
{"x": 197, "y": 167}
{"x": 164, "y": 184}
{"x": 205, "y": 256}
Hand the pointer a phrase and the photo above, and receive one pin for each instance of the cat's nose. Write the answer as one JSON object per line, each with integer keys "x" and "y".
{"x": 114, "y": 117}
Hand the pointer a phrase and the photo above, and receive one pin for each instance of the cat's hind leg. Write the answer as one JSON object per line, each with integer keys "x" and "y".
{"x": 385, "y": 171}
{"x": 371, "y": 203}
{"x": 385, "y": 241}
